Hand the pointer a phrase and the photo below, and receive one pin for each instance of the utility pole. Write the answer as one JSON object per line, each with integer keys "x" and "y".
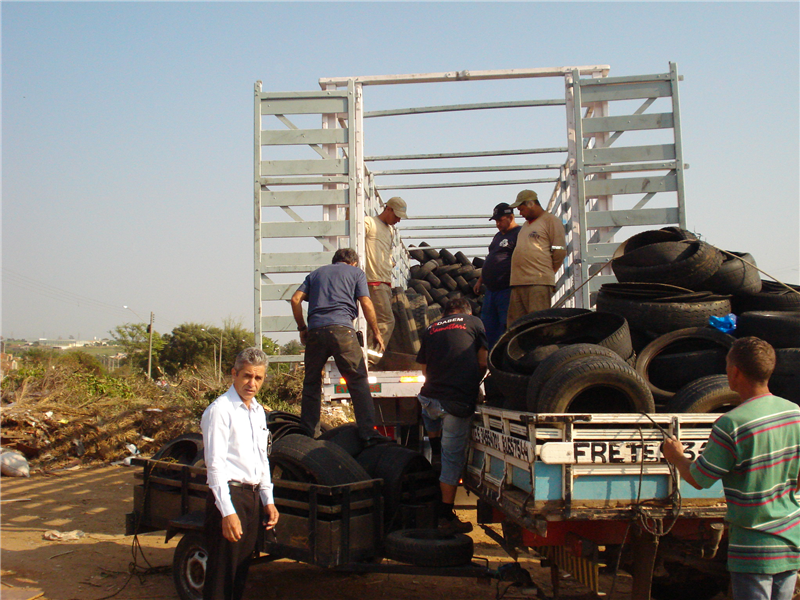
{"x": 150, "y": 350}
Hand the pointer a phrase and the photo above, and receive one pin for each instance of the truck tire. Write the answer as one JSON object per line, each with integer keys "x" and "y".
{"x": 189, "y": 566}
{"x": 462, "y": 258}
{"x": 477, "y": 262}
{"x": 435, "y": 282}
{"x": 346, "y": 437}
{"x": 683, "y": 338}
{"x": 650, "y": 237}
{"x": 773, "y": 296}
{"x": 556, "y": 361}
{"x": 709, "y": 394}
{"x": 405, "y": 338}
{"x": 595, "y": 384}
{"x": 182, "y": 449}
{"x": 736, "y": 275}
{"x": 430, "y": 253}
{"x": 686, "y": 263}
{"x": 785, "y": 380}
{"x": 447, "y": 256}
{"x": 300, "y": 458}
{"x": 779, "y": 328}
{"x": 548, "y": 315}
{"x": 429, "y": 548}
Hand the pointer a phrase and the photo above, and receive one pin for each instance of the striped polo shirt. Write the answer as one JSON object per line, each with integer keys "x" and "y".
{"x": 755, "y": 450}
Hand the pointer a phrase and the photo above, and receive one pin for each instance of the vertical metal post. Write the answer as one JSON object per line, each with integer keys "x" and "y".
{"x": 257, "y": 215}
{"x": 150, "y": 350}
{"x": 676, "y": 128}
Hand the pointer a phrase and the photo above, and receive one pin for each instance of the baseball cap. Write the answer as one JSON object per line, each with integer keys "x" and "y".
{"x": 501, "y": 210}
{"x": 525, "y": 196}
{"x": 398, "y": 205}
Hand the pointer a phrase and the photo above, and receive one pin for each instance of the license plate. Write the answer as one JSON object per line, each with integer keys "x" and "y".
{"x": 602, "y": 452}
{"x": 374, "y": 388}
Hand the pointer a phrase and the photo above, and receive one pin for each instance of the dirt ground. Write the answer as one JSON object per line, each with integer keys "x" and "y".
{"x": 96, "y": 566}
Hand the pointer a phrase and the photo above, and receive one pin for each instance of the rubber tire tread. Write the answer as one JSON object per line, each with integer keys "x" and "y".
{"x": 429, "y": 548}
{"x": 326, "y": 462}
{"x": 779, "y": 328}
{"x": 346, "y": 437}
{"x": 663, "y": 317}
{"x": 549, "y": 366}
{"x": 581, "y": 374}
{"x": 190, "y": 541}
{"x": 704, "y": 395}
{"x": 662, "y": 342}
{"x": 405, "y": 338}
{"x": 669, "y": 262}
{"x": 734, "y": 276}
{"x": 785, "y": 380}
{"x": 773, "y": 296}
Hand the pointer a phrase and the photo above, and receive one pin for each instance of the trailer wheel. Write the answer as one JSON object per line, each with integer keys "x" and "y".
{"x": 596, "y": 385}
{"x": 429, "y": 548}
{"x": 189, "y": 566}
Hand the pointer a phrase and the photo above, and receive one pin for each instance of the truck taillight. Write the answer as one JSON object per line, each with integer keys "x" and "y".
{"x": 386, "y": 431}
{"x": 412, "y": 379}
{"x": 369, "y": 380}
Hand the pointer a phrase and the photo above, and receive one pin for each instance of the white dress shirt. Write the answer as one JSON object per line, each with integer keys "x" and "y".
{"x": 235, "y": 442}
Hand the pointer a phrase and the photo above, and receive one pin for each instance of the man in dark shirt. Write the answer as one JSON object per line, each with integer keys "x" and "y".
{"x": 333, "y": 293}
{"x": 453, "y": 355}
{"x": 496, "y": 273}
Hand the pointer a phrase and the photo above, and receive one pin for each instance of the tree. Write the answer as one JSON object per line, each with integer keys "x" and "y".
{"x": 293, "y": 347}
{"x": 135, "y": 341}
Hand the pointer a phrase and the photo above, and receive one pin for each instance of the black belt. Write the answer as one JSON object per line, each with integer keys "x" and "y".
{"x": 253, "y": 487}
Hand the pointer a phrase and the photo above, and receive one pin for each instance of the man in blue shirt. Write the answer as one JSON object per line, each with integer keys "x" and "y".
{"x": 334, "y": 293}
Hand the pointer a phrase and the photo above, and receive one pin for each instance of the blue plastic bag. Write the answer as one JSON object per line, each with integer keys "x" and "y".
{"x": 726, "y": 324}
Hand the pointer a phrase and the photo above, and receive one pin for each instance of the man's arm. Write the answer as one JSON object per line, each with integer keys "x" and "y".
{"x": 483, "y": 360}
{"x": 216, "y": 432}
{"x": 558, "y": 245}
{"x": 672, "y": 449}
{"x": 372, "y": 319}
{"x": 478, "y": 283}
{"x": 297, "y": 311}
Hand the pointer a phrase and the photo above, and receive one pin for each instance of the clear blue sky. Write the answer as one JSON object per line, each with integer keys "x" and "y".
{"x": 127, "y": 131}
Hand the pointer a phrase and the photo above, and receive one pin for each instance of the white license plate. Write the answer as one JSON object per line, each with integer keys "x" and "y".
{"x": 602, "y": 452}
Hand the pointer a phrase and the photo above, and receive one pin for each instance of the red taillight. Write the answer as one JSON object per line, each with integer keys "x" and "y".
{"x": 386, "y": 431}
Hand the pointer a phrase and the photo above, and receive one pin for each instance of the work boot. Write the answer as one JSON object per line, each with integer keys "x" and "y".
{"x": 452, "y": 526}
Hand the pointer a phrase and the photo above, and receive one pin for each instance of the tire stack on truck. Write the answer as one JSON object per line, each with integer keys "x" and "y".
{"x": 438, "y": 277}
{"x": 670, "y": 287}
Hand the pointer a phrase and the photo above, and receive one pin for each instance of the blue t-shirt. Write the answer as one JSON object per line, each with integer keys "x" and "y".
{"x": 496, "y": 272}
{"x": 333, "y": 293}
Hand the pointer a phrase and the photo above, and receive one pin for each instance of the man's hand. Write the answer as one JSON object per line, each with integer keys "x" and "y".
{"x": 672, "y": 449}
{"x": 379, "y": 341}
{"x": 477, "y": 287}
{"x": 232, "y": 528}
{"x": 272, "y": 516}
{"x": 303, "y": 336}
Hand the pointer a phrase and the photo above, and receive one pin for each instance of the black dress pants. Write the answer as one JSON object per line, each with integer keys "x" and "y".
{"x": 228, "y": 562}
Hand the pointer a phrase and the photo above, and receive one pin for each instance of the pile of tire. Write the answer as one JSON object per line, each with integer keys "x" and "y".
{"x": 438, "y": 276}
{"x": 670, "y": 286}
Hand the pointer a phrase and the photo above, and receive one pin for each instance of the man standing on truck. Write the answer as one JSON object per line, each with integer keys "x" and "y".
{"x": 540, "y": 250}
{"x": 334, "y": 293}
{"x": 496, "y": 273}
{"x": 236, "y": 444}
{"x": 755, "y": 450}
{"x": 379, "y": 233}
{"x": 453, "y": 355}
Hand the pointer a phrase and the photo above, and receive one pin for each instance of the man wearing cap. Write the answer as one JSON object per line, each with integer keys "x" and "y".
{"x": 540, "y": 250}
{"x": 379, "y": 234}
{"x": 496, "y": 273}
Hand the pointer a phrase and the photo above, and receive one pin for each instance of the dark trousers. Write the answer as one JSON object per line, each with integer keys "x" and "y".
{"x": 341, "y": 343}
{"x": 228, "y": 562}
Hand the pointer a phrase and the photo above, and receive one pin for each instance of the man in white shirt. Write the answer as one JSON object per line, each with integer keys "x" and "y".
{"x": 236, "y": 441}
{"x": 379, "y": 232}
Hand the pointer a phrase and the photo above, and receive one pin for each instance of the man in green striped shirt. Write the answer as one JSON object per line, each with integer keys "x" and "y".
{"x": 755, "y": 450}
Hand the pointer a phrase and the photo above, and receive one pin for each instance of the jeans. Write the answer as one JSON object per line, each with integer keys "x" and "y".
{"x": 763, "y": 586}
{"x": 341, "y": 343}
{"x": 494, "y": 312}
{"x": 455, "y": 432}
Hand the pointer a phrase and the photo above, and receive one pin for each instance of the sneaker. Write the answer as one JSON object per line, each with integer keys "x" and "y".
{"x": 377, "y": 440}
{"x": 453, "y": 526}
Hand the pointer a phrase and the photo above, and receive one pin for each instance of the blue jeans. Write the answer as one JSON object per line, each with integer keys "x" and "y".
{"x": 763, "y": 586}
{"x": 494, "y": 312}
{"x": 455, "y": 433}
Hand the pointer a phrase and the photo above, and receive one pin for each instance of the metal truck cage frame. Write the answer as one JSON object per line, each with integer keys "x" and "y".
{"x": 592, "y": 168}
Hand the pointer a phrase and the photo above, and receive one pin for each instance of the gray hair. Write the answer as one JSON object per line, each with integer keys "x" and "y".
{"x": 251, "y": 356}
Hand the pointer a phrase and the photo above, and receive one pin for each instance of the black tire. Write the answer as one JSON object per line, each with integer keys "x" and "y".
{"x": 674, "y": 370}
{"x": 430, "y": 253}
{"x": 661, "y": 317}
{"x": 785, "y": 380}
{"x": 346, "y": 437}
{"x": 447, "y": 256}
{"x": 418, "y": 288}
{"x": 736, "y": 275}
{"x": 412, "y": 283}
{"x": 477, "y": 262}
{"x": 773, "y": 296}
{"x": 182, "y": 449}
{"x": 405, "y": 338}
{"x": 433, "y": 280}
{"x": 595, "y": 385}
{"x": 398, "y": 467}
{"x": 417, "y": 254}
{"x": 439, "y": 295}
{"x": 448, "y": 282}
{"x": 427, "y": 268}
{"x": 547, "y": 315}
{"x": 646, "y": 238}
{"x": 189, "y": 566}
{"x": 417, "y": 314}
{"x": 434, "y": 312}
{"x": 779, "y": 328}
{"x": 429, "y": 548}
{"x": 709, "y": 394}
{"x": 463, "y": 284}
{"x": 300, "y": 458}
{"x": 556, "y": 361}
{"x": 685, "y": 263}
{"x": 677, "y": 339}
{"x": 462, "y": 258}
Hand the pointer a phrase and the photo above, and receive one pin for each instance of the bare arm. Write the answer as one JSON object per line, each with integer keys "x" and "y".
{"x": 297, "y": 311}
{"x": 372, "y": 319}
{"x": 478, "y": 283}
{"x": 672, "y": 450}
{"x": 483, "y": 360}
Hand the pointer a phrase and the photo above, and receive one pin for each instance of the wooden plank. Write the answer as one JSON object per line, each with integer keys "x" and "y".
{"x": 330, "y": 166}
{"x": 278, "y": 291}
{"x": 310, "y": 180}
{"x": 626, "y": 79}
{"x": 631, "y": 185}
{"x": 626, "y": 123}
{"x": 296, "y": 259}
{"x": 305, "y": 229}
{"x": 604, "y": 251}
{"x": 289, "y": 137}
{"x": 624, "y": 218}
{"x": 632, "y": 167}
{"x": 279, "y": 323}
{"x": 625, "y": 91}
{"x": 303, "y": 106}
{"x": 597, "y": 156}
{"x": 304, "y": 198}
